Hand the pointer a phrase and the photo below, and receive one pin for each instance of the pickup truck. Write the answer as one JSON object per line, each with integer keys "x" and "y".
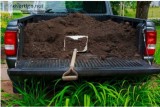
{"x": 50, "y": 68}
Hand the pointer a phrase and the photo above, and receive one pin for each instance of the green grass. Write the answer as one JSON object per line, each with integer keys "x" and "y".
{"x": 158, "y": 34}
{"x": 122, "y": 93}
{"x": 3, "y": 61}
{"x": 154, "y": 12}
{"x": 157, "y": 53}
{"x": 34, "y": 95}
{"x": 118, "y": 93}
{"x": 130, "y": 13}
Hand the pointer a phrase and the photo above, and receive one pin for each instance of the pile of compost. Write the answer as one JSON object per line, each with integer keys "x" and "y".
{"x": 45, "y": 39}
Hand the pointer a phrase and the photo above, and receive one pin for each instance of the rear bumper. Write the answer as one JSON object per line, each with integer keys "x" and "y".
{"x": 11, "y": 61}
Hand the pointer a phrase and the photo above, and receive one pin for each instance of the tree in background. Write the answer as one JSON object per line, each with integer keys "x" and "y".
{"x": 115, "y": 7}
{"x": 142, "y": 9}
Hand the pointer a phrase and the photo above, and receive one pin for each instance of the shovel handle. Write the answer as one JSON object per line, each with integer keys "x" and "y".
{"x": 66, "y": 76}
{"x": 73, "y": 58}
{"x": 69, "y": 78}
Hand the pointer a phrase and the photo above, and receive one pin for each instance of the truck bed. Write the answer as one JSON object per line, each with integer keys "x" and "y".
{"x": 27, "y": 41}
{"x": 89, "y": 67}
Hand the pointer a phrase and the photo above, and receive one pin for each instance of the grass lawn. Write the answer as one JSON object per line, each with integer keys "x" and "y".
{"x": 130, "y": 13}
{"x": 154, "y": 12}
{"x": 157, "y": 54}
{"x": 158, "y": 34}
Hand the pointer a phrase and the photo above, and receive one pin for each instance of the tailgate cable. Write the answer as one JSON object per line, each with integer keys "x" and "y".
{"x": 150, "y": 63}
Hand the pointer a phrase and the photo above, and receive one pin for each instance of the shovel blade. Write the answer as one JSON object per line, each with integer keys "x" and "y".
{"x": 80, "y": 42}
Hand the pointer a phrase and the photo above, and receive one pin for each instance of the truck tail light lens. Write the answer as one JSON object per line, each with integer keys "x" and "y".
{"x": 150, "y": 42}
{"x": 10, "y": 40}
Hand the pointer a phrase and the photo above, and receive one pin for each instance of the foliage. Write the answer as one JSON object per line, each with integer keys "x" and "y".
{"x": 127, "y": 5}
{"x": 17, "y": 14}
{"x": 156, "y": 22}
{"x": 5, "y": 15}
{"x": 84, "y": 93}
{"x": 5, "y": 18}
{"x": 115, "y": 7}
{"x": 121, "y": 93}
{"x": 6, "y": 98}
{"x": 32, "y": 95}
{"x": 133, "y": 5}
{"x": 73, "y": 4}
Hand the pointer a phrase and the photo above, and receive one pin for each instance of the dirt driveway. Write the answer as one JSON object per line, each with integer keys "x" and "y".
{"x": 6, "y": 86}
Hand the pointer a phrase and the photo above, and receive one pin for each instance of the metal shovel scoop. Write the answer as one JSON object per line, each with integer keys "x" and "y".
{"x": 71, "y": 73}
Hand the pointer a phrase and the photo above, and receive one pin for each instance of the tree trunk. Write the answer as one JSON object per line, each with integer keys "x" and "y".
{"x": 142, "y": 9}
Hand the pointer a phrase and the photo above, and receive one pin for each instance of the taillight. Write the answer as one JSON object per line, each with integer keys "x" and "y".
{"x": 10, "y": 40}
{"x": 150, "y": 42}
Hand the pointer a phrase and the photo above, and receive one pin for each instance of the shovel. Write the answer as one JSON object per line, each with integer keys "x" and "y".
{"x": 71, "y": 73}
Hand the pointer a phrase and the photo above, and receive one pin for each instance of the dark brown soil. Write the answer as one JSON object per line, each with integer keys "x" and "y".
{"x": 45, "y": 39}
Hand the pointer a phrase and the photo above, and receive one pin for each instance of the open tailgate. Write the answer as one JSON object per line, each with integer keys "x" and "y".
{"x": 90, "y": 67}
